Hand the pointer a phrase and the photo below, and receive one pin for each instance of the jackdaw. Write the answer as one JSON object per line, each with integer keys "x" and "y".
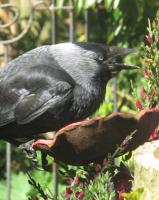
{"x": 52, "y": 86}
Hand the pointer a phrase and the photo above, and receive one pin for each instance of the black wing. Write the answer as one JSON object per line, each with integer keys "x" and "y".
{"x": 28, "y": 91}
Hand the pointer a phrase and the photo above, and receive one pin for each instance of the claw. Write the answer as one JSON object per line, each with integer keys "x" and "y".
{"x": 31, "y": 153}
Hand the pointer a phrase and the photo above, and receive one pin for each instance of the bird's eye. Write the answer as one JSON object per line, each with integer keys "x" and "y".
{"x": 101, "y": 58}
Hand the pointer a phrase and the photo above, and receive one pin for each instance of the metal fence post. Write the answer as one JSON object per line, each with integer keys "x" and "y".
{"x": 8, "y": 171}
{"x": 8, "y": 147}
{"x": 86, "y": 24}
{"x": 53, "y": 41}
{"x": 71, "y": 27}
{"x": 5, "y": 43}
{"x": 115, "y": 95}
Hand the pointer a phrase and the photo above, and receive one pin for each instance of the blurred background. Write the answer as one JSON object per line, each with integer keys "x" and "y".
{"x": 26, "y": 24}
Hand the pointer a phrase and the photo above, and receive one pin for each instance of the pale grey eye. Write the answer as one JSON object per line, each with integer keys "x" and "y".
{"x": 101, "y": 57}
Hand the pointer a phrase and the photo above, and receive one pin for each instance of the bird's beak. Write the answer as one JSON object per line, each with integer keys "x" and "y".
{"x": 118, "y": 51}
{"x": 115, "y": 67}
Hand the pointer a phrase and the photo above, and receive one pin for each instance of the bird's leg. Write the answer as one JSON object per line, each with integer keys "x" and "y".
{"x": 31, "y": 152}
{"x": 44, "y": 161}
{"x": 45, "y": 165}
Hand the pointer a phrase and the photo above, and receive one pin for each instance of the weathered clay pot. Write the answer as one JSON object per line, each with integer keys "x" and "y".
{"x": 91, "y": 140}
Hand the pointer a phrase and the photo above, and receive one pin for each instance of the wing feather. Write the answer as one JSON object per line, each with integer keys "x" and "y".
{"x": 30, "y": 86}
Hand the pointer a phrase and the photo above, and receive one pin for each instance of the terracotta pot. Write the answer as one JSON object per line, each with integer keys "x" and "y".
{"x": 91, "y": 140}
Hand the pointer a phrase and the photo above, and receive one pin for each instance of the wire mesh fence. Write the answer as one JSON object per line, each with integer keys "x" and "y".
{"x": 53, "y": 8}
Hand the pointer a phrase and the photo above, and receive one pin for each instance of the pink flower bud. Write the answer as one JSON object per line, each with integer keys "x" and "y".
{"x": 68, "y": 192}
{"x": 120, "y": 196}
{"x": 76, "y": 180}
{"x": 138, "y": 104}
{"x": 154, "y": 135}
{"x": 79, "y": 195}
{"x": 104, "y": 162}
{"x": 149, "y": 39}
{"x": 147, "y": 74}
{"x": 97, "y": 168}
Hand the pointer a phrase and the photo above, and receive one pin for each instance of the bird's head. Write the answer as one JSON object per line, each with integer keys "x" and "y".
{"x": 107, "y": 57}
{"x": 86, "y": 61}
{"x": 112, "y": 64}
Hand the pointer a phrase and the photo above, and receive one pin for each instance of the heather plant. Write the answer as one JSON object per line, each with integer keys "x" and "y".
{"x": 148, "y": 96}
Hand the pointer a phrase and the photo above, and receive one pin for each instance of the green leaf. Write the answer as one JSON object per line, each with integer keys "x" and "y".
{"x": 108, "y": 4}
{"x": 134, "y": 195}
{"x": 116, "y": 3}
{"x": 90, "y": 3}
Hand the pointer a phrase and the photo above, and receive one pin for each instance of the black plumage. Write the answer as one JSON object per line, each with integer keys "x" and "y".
{"x": 52, "y": 86}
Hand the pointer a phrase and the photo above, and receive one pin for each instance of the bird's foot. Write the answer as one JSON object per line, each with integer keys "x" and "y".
{"x": 31, "y": 152}
{"x": 44, "y": 162}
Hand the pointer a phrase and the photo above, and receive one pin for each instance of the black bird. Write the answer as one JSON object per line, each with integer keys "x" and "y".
{"x": 52, "y": 86}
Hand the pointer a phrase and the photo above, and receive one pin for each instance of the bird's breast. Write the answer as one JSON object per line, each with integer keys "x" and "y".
{"x": 87, "y": 101}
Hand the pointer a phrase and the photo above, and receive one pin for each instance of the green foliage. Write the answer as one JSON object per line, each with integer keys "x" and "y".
{"x": 38, "y": 188}
{"x": 19, "y": 187}
{"x": 135, "y": 195}
{"x": 115, "y": 22}
{"x": 99, "y": 189}
{"x": 150, "y": 60}
{"x": 93, "y": 181}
